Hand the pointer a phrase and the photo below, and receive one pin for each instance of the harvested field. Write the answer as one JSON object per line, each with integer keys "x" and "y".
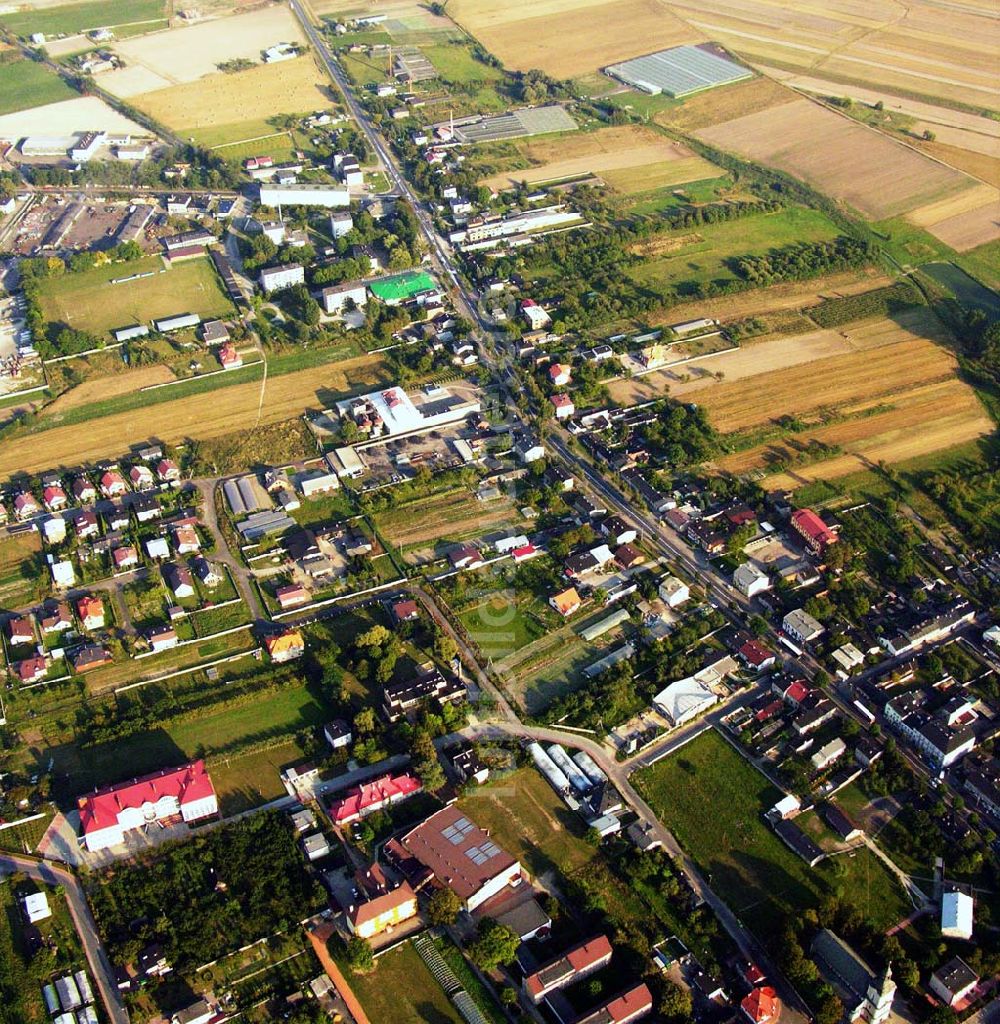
{"x": 109, "y": 386}
{"x": 719, "y": 105}
{"x": 840, "y": 157}
{"x": 923, "y": 49}
{"x": 65, "y": 117}
{"x": 630, "y": 158}
{"x": 924, "y": 419}
{"x": 289, "y": 87}
{"x": 455, "y": 515}
{"x": 189, "y": 53}
{"x": 980, "y": 160}
{"x": 567, "y": 38}
{"x": 967, "y": 230}
{"x": 214, "y": 414}
{"x": 20, "y": 570}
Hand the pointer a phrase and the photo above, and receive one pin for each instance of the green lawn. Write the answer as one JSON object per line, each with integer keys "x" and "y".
{"x": 401, "y": 989}
{"x": 77, "y": 17}
{"x": 703, "y": 260}
{"x": 88, "y": 301}
{"x": 455, "y": 63}
{"x": 524, "y": 815}
{"x": 713, "y": 800}
{"x": 25, "y": 84}
{"x": 704, "y": 190}
{"x": 249, "y": 780}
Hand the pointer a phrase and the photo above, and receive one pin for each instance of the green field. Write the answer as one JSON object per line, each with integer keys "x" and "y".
{"x": 713, "y": 801}
{"x": 88, "y": 301}
{"x": 403, "y": 990}
{"x": 25, "y": 84}
{"x": 703, "y": 260}
{"x": 455, "y": 63}
{"x": 526, "y": 818}
{"x": 69, "y": 18}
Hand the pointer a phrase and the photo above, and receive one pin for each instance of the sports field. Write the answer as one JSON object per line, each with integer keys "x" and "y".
{"x": 245, "y": 99}
{"x": 201, "y": 414}
{"x": 743, "y": 860}
{"x": 840, "y": 157}
{"x": 25, "y": 84}
{"x": 567, "y": 38}
{"x": 88, "y": 301}
{"x": 631, "y": 158}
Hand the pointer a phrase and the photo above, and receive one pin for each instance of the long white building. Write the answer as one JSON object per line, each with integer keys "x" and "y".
{"x": 304, "y": 194}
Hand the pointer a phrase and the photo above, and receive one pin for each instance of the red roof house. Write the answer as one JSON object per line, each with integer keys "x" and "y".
{"x": 112, "y": 484}
{"x": 291, "y": 595}
{"x": 627, "y": 1006}
{"x": 756, "y": 655}
{"x": 761, "y": 1006}
{"x": 54, "y": 497}
{"x": 523, "y": 553}
{"x": 31, "y": 670}
{"x": 372, "y": 796}
{"x": 229, "y": 357}
{"x": 90, "y": 611}
{"x": 568, "y": 968}
{"x": 563, "y": 406}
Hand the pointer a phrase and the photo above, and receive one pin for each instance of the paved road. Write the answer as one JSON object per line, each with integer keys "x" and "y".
{"x": 97, "y": 958}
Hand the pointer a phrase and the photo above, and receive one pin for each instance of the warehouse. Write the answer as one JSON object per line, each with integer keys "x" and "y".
{"x": 304, "y": 195}
{"x": 397, "y": 412}
{"x": 128, "y": 333}
{"x": 177, "y": 322}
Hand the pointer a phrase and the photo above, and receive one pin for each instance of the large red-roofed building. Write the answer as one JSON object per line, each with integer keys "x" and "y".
{"x": 817, "y": 535}
{"x": 107, "y": 814}
{"x": 372, "y": 796}
{"x": 569, "y": 968}
{"x": 627, "y": 1006}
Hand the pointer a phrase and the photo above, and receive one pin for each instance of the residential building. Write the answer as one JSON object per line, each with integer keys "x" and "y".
{"x": 954, "y": 981}
{"x": 469, "y": 767}
{"x": 229, "y": 355}
{"x": 273, "y": 279}
{"x": 63, "y": 575}
{"x": 54, "y": 529}
{"x": 305, "y": 194}
{"x": 383, "y": 912}
{"x": 801, "y": 626}
{"x": 750, "y": 581}
{"x": 86, "y": 525}
{"x": 124, "y": 558}
{"x": 90, "y": 611}
{"x": 841, "y": 823}
{"x": 528, "y": 448}
{"x": 566, "y": 602}
{"x": 162, "y": 638}
{"x": 401, "y": 697}
{"x": 339, "y": 298}
{"x": 140, "y": 476}
{"x": 560, "y": 374}
{"x": 370, "y": 797}
{"x": 31, "y": 670}
{"x": 90, "y": 657}
{"x": 673, "y": 591}
{"x": 55, "y": 618}
{"x": 157, "y": 548}
{"x": 982, "y": 785}
{"x": 21, "y": 630}
{"x": 337, "y": 733}
{"x": 285, "y": 646}
{"x": 797, "y": 841}
{"x": 292, "y": 595}
{"x": 957, "y": 910}
{"x": 112, "y": 484}
{"x": 405, "y": 611}
{"x": 35, "y": 907}
{"x": 214, "y": 332}
{"x": 54, "y": 498}
{"x": 563, "y": 406}
{"x": 167, "y": 471}
{"x": 756, "y": 656}
{"x": 626, "y": 1006}
{"x": 761, "y": 1005}
{"x": 315, "y": 846}
{"x": 462, "y": 856}
{"x": 108, "y": 814}
{"x": 179, "y": 579}
{"x": 567, "y": 969}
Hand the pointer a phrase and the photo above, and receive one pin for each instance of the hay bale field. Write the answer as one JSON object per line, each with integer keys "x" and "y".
{"x": 927, "y": 50}
{"x": 567, "y": 38}
{"x": 194, "y": 51}
{"x": 213, "y": 414}
{"x": 289, "y": 87}
{"x": 840, "y": 157}
{"x": 88, "y": 301}
{"x": 631, "y": 158}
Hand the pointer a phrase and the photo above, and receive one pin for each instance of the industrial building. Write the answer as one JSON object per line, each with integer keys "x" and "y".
{"x": 679, "y": 71}
{"x": 393, "y": 412}
{"x": 178, "y": 322}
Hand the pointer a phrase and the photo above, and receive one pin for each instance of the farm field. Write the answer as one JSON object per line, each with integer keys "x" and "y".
{"x": 81, "y": 17}
{"x": 88, "y": 301}
{"x": 526, "y": 818}
{"x": 923, "y": 419}
{"x": 747, "y": 865}
{"x": 20, "y": 562}
{"x": 927, "y": 51}
{"x": 25, "y": 84}
{"x": 702, "y": 110}
{"x": 453, "y": 515}
{"x": 964, "y": 222}
{"x": 700, "y": 255}
{"x": 403, "y": 990}
{"x": 189, "y": 53}
{"x": 631, "y": 158}
{"x": 108, "y": 386}
{"x": 838, "y": 156}
{"x": 568, "y": 38}
{"x": 65, "y": 117}
{"x": 230, "y": 408}
{"x": 289, "y": 87}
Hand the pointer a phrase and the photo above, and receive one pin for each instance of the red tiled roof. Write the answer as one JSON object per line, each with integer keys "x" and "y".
{"x": 561, "y": 401}
{"x": 807, "y": 522}
{"x": 798, "y": 691}
{"x": 369, "y": 796}
{"x": 188, "y": 784}
{"x": 28, "y": 669}
{"x": 625, "y": 1006}
{"x": 760, "y": 1005}
{"x": 755, "y": 653}
{"x": 578, "y": 959}
{"x": 524, "y": 552}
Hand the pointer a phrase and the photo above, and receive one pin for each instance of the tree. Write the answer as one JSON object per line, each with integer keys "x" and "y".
{"x": 675, "y": 1003}
{"x": 377, "y": 636}
{"x": 444, "y": 907}
{"x": 364, "y": 721}
{"x": 444, "y": 647}
{"x": 830, "y": 1009}
{"x": 493, "y": 945}
{"x": 360, "y": 957}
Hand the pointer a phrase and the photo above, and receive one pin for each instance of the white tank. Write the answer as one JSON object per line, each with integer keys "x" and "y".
{"x": 577, "y": 779}
{"x": 589, "y": 767}
{"x": 547, "y": 767}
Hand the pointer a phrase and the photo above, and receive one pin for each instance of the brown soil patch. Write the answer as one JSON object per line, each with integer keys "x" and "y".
{"x": 840, "y": 157}
{"x": 718, "y": 105}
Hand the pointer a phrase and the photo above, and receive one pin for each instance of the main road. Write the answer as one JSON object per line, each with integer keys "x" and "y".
{"x": 76, "y": 900}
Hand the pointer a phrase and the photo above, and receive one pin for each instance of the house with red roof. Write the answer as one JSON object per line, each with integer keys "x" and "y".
{"x": 31, "y": 670}
{"x": 292, "y": 595}
{"x": 372, "y": 796}
{"x": 83, "y": 489}
{"x": 524, "y": 552}
{"x": 405, "y": 611}
{"x": 167, "y": 471}
{"x": 21, "y": 630}
{"x": 560, "y": 374}
{"x": 55, "y": 498}
{"x": 816, "y": 534}
{"x": 112, "y": 484}
{"x": 623, "y": 1008}
{"x": 25, "y": 505}
{"x": 229, "y": 357}
{"x": 568, "y": 968}
{"x": 86, "y": 524}
{"x": 761, "y": 1006}
{"x": 756, "y": 656}
{"x": 563, "y": 406}
{"x": 125, "y": 557}
{"x": 174, "y": 794}
{"x": 90, "y": 611}
{"x": 141, "y": 477}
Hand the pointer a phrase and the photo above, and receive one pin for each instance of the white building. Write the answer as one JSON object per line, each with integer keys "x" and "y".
{"x": 276, "y": 278}
{"x": 956, "y": 915}
{"x": 801, "y": 626}
{"x": 36, "y": 907}
{"x": 674, "y": 592}
{"x": 335, "y": 298}
{"x": 86, "y": 146}
{"x": 685, "y": 699}
{"x": 749, "y": 580}
{"x": 303, "y": 194}
{"x": 340, "y": 223}
{"x": 62, "y": 574}
{"x": 829, "y": 753}
{"x": 402, "y": 413}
